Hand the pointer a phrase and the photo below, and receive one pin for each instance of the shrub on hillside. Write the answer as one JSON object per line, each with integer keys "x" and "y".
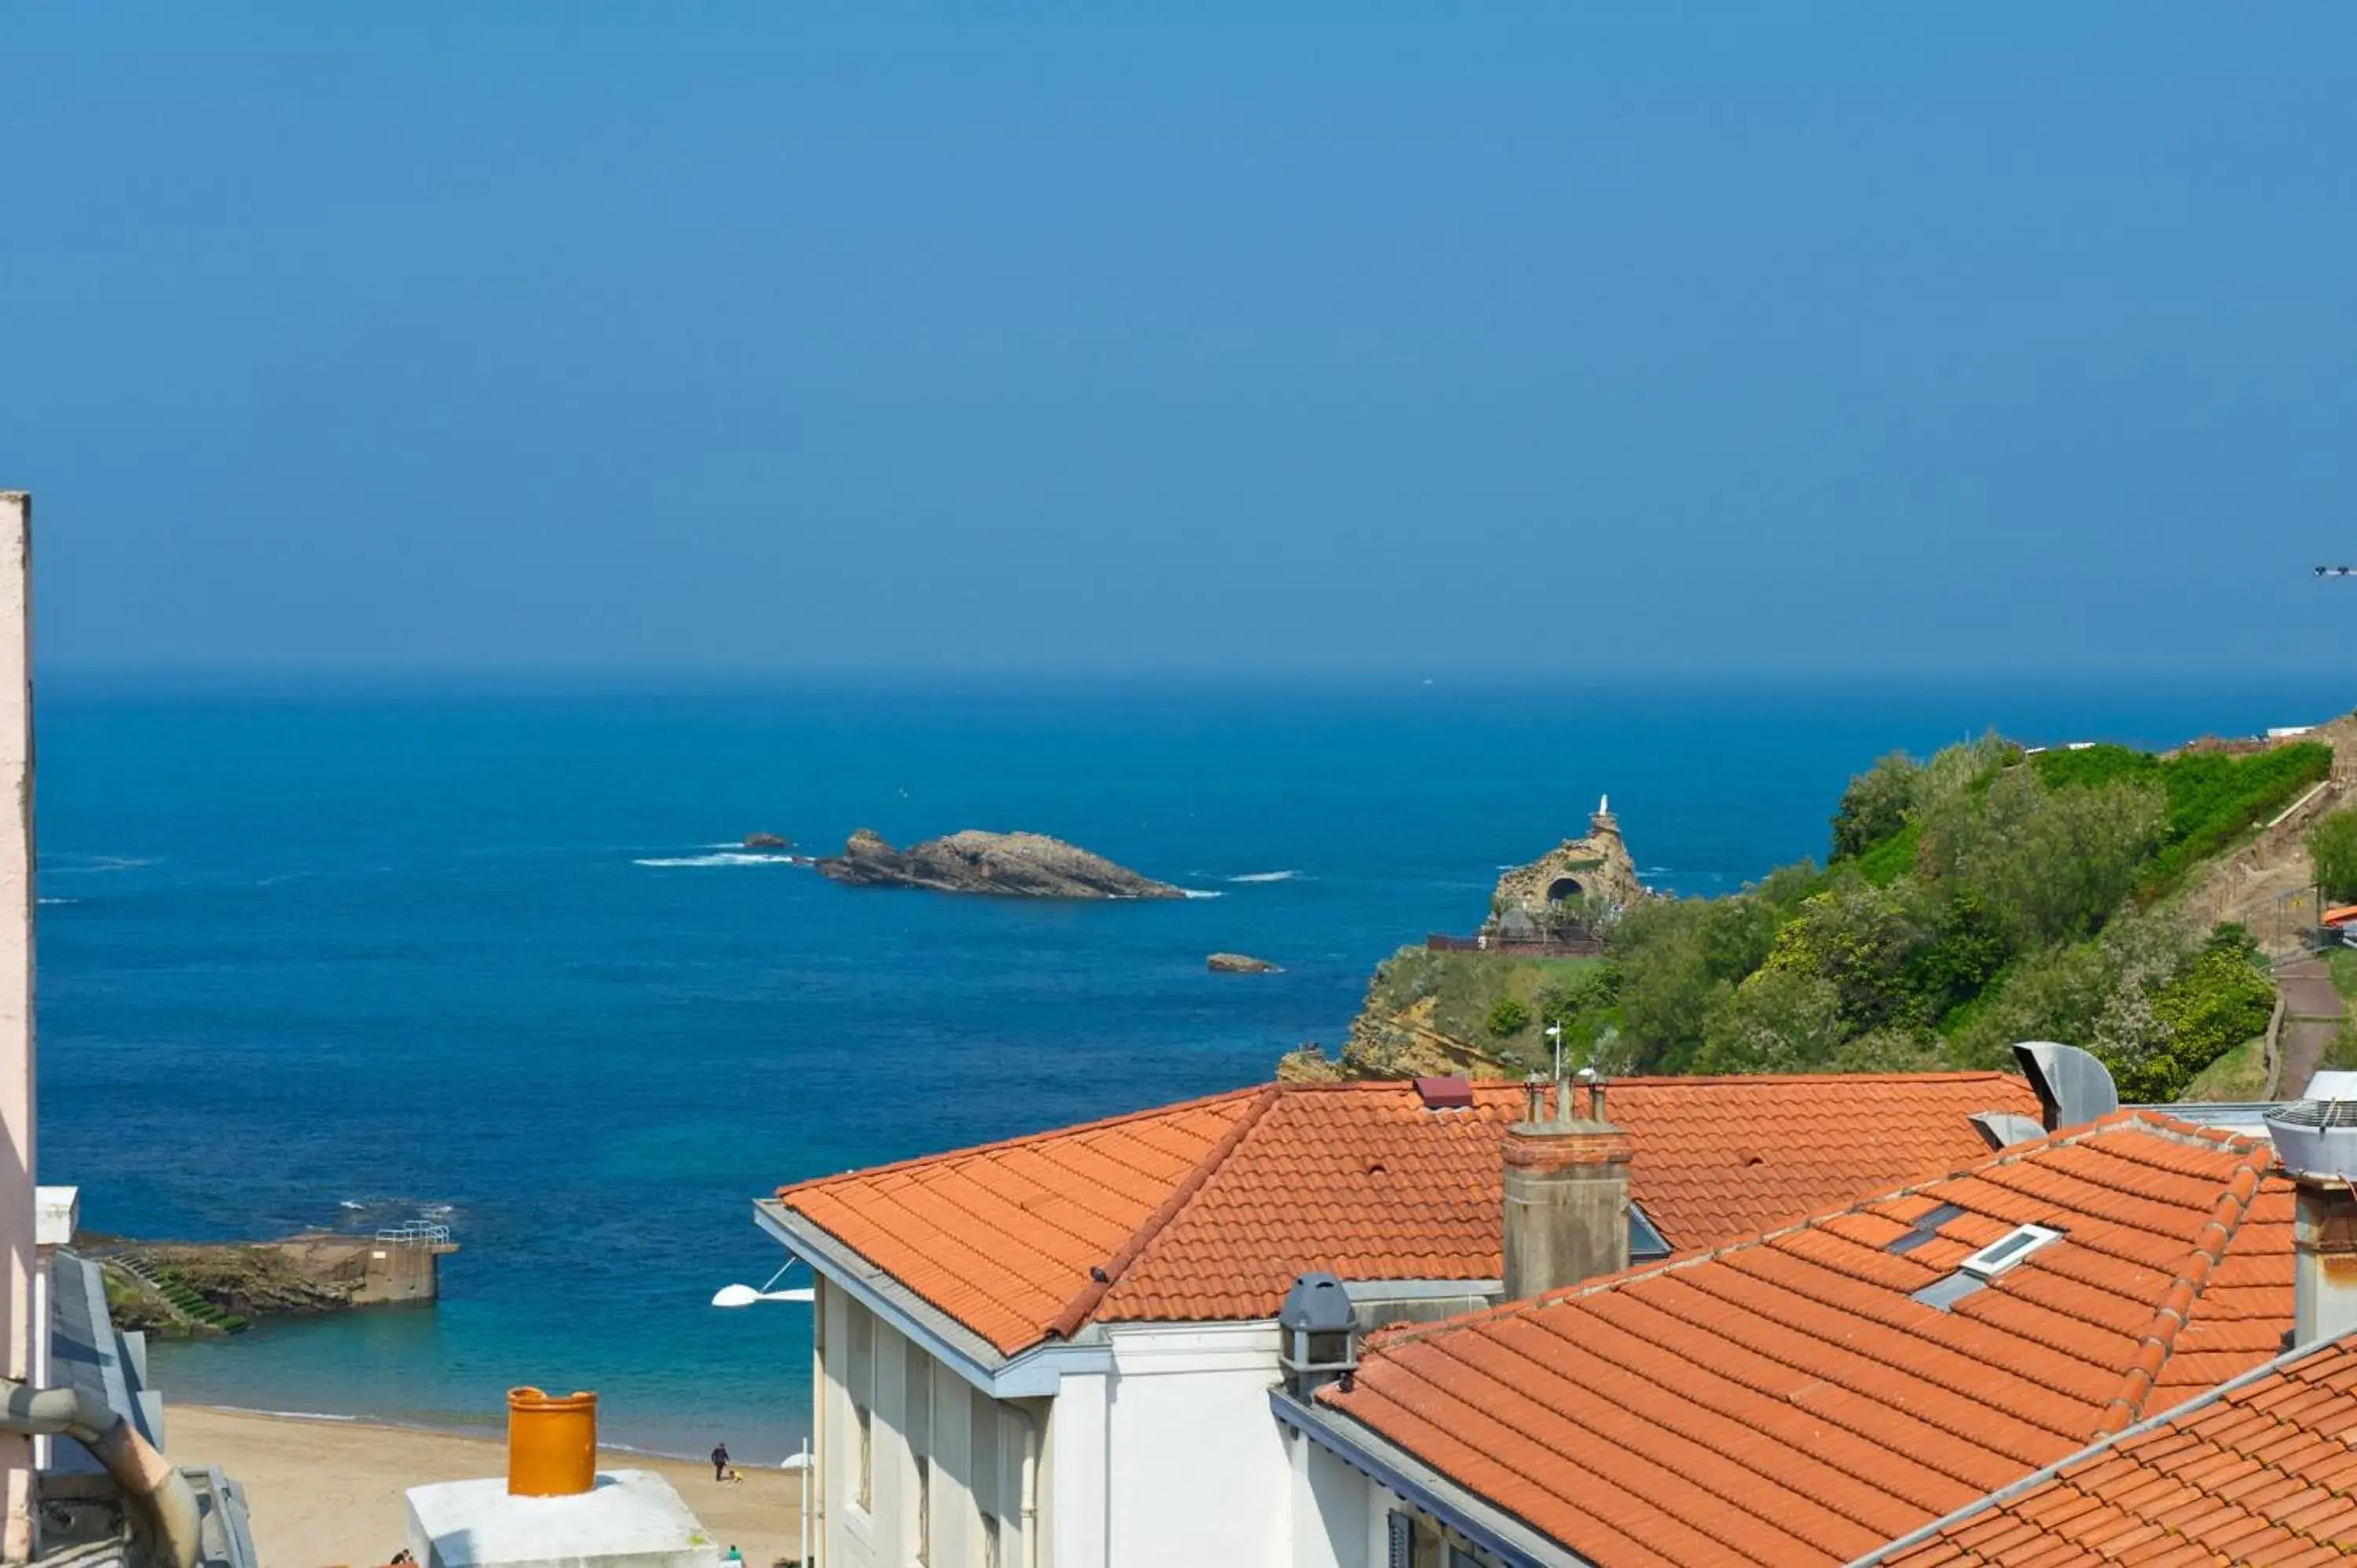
{"x": 2175, "y": 1012}
{"x": 1779, "y": 1020}
{"x": 1508, "y": 1017}
{"x": 1677, "y": 959}
{"x": 2332, "y": 844}
{"x": 1858, "y": 938}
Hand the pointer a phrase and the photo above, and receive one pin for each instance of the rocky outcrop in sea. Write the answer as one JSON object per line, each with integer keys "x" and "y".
{"x": 1015, "y": 865}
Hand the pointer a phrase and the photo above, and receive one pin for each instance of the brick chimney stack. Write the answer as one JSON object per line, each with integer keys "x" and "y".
{"x": 1567, "y": 1180}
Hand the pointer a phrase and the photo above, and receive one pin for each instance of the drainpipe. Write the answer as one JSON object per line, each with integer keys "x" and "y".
{"x": 813, "y": 1478}
{"x": 1030, "y": 1486}
{"x": 162, "y": 1504}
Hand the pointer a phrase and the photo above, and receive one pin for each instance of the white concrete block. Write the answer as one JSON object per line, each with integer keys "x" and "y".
{"x": 56, "y": 1213}
{"x": 632, "y": 1518}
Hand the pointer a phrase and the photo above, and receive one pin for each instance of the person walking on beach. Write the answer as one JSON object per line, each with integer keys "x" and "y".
{"x": 720, "y": 1461}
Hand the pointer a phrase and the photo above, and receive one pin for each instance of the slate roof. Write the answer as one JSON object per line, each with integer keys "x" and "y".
{"x": 1206, "y": 1210}
{"x": 2259, "y": 1473}
{"x": 1786, "y": 1400}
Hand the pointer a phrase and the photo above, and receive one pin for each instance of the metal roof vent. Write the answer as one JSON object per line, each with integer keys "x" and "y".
{"x": 2005, "y": 1129}
{"x": 2072, "y": 1086}
{"x": 2316, "y": 1135}
{"x": 2008, "y": 1249}
{"x": 1320, "y": 1335}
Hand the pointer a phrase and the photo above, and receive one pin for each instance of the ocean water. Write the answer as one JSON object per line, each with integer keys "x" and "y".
{"x": 319, "y": 958}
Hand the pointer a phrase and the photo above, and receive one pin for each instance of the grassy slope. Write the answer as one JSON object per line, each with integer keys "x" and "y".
{"x": 1464, "y": 987}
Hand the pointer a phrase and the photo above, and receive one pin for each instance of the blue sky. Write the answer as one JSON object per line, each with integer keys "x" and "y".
{"x": 1434, "y": 340}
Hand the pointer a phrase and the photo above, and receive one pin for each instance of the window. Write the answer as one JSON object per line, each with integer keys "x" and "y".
{"x": 982, "y": 1420}
{"x": 2008, "y": 1249}
{"x": 1413, "y": 1543}
{"x": 916, "y": 1419}
{"x": 860, "y": 1381}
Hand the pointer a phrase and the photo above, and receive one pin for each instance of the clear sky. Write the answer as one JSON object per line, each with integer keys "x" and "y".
{"x": 1433, "y": 340}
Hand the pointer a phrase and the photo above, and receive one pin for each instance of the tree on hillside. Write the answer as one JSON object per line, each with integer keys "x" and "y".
{"x": 2048, "y": 865}
{"x": 1876, "y": 805}
{"x": 2332, "y": 844}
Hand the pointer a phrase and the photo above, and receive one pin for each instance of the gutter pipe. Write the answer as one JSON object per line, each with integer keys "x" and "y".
{"x": 162, "y": 1504}
{"x": 1030, "y": 1486}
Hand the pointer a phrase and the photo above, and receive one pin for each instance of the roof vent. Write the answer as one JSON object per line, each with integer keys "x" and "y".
{"x": 2317, "y": 1141}
{"x": 1320, "y": 1337}
{"x": 2004, "y": 1128}
{"x": 2317, "y": 1136}
{"x": 1445, "y": 1093}
{"x": 2072, "y": 1086}
{"x": 2008, "y": 1249}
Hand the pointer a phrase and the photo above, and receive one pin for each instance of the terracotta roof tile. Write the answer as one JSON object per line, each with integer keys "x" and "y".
{"x": 2260, "y": 1473}
{"x": 1208, "y": 1210}
{"x": 1787, "y": 1398}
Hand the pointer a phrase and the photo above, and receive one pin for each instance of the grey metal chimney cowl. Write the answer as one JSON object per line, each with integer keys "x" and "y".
{"x": 2316, "y": 1139}
{"x": 1320, "y": 1340}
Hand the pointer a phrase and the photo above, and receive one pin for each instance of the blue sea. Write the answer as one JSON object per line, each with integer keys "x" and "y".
{"x": 322, "y": 957}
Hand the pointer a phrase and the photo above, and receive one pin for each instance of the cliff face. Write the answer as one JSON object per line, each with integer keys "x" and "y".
{"x": 1482, "y": 1015}
{"x": 1021, "y": 865}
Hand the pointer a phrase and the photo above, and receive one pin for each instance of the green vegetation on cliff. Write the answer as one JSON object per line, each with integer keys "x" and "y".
{"x": 1978, "y": 898}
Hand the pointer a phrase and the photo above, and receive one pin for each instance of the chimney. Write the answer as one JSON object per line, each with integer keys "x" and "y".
{"x": 1567, "y": 1182}
{"x": 2316, "y": 1139}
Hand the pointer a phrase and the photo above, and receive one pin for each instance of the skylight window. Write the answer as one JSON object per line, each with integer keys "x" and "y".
{"x": 2008, "y": 1249}
{"x": 1925, "y": 1226}
{"x": 1645, "y": 1242}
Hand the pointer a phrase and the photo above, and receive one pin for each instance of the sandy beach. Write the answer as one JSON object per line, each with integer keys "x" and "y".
{"x": 330, "y": 1492}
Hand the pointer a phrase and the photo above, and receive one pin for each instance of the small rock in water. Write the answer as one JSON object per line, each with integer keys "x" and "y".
{"x": 765, "y": 840}
{"x": 1239, "y": 964}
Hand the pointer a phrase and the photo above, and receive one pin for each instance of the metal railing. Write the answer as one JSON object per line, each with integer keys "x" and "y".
{"x": 415, "y": 1233}
{"x": 1542, "y": 947}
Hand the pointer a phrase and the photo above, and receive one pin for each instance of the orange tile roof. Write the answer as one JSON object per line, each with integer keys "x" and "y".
{"x": 1785, "y": 1400}
{"x": 2263, "y": 1473}
{"x": 1206, "y": 1211}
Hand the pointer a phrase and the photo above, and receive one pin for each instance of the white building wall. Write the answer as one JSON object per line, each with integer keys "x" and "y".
{"x": 1337, "y": 1512}
{"x": 917, "y": 1408}
{"x": 1198, "y": 1470}
{"x": 1170, "y": 1457}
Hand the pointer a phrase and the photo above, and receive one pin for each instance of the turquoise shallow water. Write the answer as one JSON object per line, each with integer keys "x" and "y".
{"x": 394, "y": 949}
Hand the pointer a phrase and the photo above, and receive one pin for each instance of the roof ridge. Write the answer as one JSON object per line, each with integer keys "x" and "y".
{"x": 1409, "y": 1333}
{"x": 1763, "y": 1080}
{"x": 2158, "y": 1341}
{"x": 999, "y": 1146}
{"x": 1073, "y": 1312}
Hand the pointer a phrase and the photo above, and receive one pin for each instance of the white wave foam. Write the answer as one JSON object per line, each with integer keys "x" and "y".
{"x": 350, "y": 1203}
{"x": 1265, "y": 876}
{"x": 58, "y": 900}
{"x": 1199, "y": 893}
{"x": 723, "y": 858}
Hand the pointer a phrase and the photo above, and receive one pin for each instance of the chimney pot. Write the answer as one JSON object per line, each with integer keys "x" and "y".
{"x": 551, "y": 1444}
